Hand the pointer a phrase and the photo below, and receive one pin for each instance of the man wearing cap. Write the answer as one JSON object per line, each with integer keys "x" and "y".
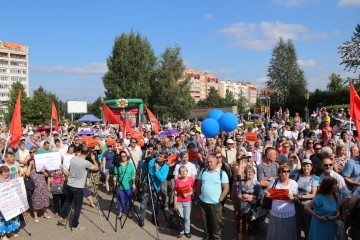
{"x": 55, "y": 135}
{"x": 193, "y": 140}
{"x": 229, "y": 152}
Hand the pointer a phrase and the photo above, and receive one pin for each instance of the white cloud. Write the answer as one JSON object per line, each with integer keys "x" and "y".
{"x": 345, "y": 3}
{"x": 306, "y": 63}
{"x": 264, "y": 35}
{"x": 294, "y": 3}
{"x": 336, "y": 32}
{"x": 92, "y": 68}
{"x": 261, "y": 80}
{"x": 207, "y": 16}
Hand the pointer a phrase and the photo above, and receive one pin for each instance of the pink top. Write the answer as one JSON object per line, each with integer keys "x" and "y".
{"x": 180, "y": 183}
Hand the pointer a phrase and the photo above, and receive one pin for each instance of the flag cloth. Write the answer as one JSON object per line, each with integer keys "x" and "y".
{"x": 128, "y": 128}
{"x": 110, "y": 117}
{"x": 54, "y": 115}
{"x": 153, "y": 120}
{"x": 355, "y": 107}
{"x": 15, "y": 127}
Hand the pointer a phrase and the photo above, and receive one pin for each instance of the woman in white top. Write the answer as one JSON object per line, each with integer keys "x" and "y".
{"x": 282, "y": 221}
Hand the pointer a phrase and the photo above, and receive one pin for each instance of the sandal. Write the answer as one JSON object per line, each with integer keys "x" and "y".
{"x": 47, "y": 216}
{"x": 36, "y": 220}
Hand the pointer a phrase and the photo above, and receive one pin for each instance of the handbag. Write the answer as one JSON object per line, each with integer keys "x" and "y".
{"x": 29, "y": 185}
{"x": 267, "y": 201}
{"x": 176, "y": 221}
{"x": 256, "y": 212}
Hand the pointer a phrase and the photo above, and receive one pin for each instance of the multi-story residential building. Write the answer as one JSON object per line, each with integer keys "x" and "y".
{"x": 200, "y": 84}
{"x": 14, "y": 66}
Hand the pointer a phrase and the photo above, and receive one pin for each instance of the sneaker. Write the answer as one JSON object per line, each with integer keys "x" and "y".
{"x": 61, "y": 221}
{"x": 78, "y": 228}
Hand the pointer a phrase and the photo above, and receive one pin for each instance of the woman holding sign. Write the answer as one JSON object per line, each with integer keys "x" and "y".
{"x": 282, "y": 220}
{"x": 182, "y": 199}
{"x": 40, "y": 197}
{"x": 12, "y": 225}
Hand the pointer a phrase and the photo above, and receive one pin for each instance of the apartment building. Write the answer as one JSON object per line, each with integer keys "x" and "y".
{"x": 200, "y": 84}
{"x": 14, "y": 67}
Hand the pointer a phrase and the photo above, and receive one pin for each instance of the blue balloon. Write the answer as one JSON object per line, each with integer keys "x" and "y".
{"x": 215, "y": 114}
{"x": 228, "y": 122}
{"x": 210, "y": 127}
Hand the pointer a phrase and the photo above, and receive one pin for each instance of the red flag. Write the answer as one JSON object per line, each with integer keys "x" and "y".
{"x": 355, "y": 107}
{"x": 128, "y": 128}
{"x": 15, "y": 127}
{"x": 110, "y": 117}
{"x": 155, "y": 123}
{"x": 54, "y": 115}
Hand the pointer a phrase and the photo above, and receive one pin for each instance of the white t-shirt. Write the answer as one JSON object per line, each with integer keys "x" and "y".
{"x": 284, "y": 208}
{"x": 190, "y": 167}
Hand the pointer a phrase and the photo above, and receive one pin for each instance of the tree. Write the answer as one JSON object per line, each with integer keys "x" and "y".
{"x": 241, "y": 102}
{"x": 214, "y": 99}
{"x": 350, "y": 51}
{"x": 13, "y": 94}
{"x": 40, "y": 107}
{"x": 229, "y": 99}
{"x": 170, "y": 90}
{"x": 130, "y": 68}
{"x": 336, "y": 83}
{"x": 285, "y": 77}
{"x": 95, "y": 107}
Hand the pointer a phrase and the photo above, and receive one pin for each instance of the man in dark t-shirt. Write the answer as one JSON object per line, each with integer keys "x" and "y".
{"x": 76, "y": 145}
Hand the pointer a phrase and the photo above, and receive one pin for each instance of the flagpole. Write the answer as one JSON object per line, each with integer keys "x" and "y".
{"x": 6, "y": 145}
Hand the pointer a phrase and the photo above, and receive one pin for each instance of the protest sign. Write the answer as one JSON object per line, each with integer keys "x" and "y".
{"x": 66, "y": 160}
{"x": 251, "y": 137}
{"x": 51, "y": 161}
{"x": 173, "y": 158}
{"x": 13, "y": 199}
{"x": 63, "y": 150}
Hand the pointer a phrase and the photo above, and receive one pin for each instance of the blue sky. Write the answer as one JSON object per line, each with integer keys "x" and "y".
{"x": 69, "y": 41}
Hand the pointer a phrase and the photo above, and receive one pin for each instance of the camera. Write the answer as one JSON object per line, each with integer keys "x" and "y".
{"x": 117, "y": 160}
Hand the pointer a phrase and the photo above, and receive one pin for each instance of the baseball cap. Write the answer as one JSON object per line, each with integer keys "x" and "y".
{"x": 192, "y": 133}
{"x": 230, "y": 141}
{"x": 248, "y": 154}
{"x": 306, "y": 161}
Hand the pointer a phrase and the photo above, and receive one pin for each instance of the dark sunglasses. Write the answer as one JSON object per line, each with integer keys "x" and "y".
{"x": 191, "y": 147}
{"x": 31, "y": 152}
{"x": 133, "y": 142}
{"x": 317, "y": 148}
{"x": 218, "y": 156}
{"x": 285, "y": 171}
{"x": 328, "y": 165}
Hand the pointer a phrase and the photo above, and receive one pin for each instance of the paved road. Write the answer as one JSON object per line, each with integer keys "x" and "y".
{"x": 48, "y": 228}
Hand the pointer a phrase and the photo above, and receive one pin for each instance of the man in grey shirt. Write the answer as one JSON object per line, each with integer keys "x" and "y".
{"x": 75, "y": 187}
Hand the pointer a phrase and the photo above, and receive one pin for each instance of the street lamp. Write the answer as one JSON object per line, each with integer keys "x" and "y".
{"x": 307, "y": 96}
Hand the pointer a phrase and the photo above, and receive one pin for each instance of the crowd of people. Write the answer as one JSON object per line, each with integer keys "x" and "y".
{"x": 302, "y": 174}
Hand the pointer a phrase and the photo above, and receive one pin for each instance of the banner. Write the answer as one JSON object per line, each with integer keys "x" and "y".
{"x": 66, "y": 160}
{"x": 13, "y": 199}
{"x": 51, "y": 161}
{"x": 63, "y": 150}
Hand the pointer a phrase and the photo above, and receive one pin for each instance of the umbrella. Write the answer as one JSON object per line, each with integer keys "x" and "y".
{"x": 85, "y": 132}
{"x": 169, "y": 133}
{"x": 44, "y": 128}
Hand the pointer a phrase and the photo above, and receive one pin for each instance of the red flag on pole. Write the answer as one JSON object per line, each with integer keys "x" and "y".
{"x": 54, "y": 115}
{"x": 15, "y": 127}
{"x": 153, "y": 120}
{"x": 128, "y": 128}
{"x": 355, "y": 107}
{"x": 110, "y": 117}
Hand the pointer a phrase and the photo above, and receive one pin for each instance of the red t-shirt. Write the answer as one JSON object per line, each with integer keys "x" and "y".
{"x": 181, "y": 185}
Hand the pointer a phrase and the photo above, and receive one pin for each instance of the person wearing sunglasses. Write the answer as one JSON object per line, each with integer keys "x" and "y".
{"x": 328, "y": 166}
{"x": 282, "y": 220}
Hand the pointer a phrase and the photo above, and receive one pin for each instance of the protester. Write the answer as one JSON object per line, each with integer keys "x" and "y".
{"x": 11, "y": 226}
{"x": 108, "y": 167}
{"x": 212, "y": 187}
{"x": 157, "y": 171}
{"x": 75, "y": 187}
{"x": 182, "y": 198}
{"x": 56, "y": 183}
{"x": 40, "y": 197}
{"x": 307, "y": 188}
{"x": 324, "y": 211}
{"x": 124, "y": 176}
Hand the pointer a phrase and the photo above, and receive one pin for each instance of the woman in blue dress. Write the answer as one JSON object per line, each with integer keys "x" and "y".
{"x": 324, "y": 211}
{"x": 7, "y": 227}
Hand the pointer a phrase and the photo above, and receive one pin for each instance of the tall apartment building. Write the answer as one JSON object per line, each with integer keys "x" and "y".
{"x": 200, "y": 84}
{"x": 14, "y": 67}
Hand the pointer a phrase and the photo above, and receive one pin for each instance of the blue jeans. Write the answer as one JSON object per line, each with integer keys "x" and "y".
{"x": 76, "y": 195}
{"x": 185, "y": 211}
{"x": 144, "y": 200}
{"x": 124, "y": 200}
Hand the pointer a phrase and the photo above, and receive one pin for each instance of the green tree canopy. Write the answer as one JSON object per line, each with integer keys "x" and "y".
{"x": 13, "y": 94}
{"x": 285, "y": 77}
{"x": 95, "y": 107}
{"x": 335, "y": 82}
{"x": 350, "y": 51}
{"x": 130, "y": 68}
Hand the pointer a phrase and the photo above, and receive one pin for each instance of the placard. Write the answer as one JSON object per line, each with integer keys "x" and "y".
{"x": 51, "y": 161}
{"x": 13, "y": 199}
{"x": 63, "y": 150}
{"x": 251, "y": 137}
{"x": 66, "y": 160}
{"x": 279, "y": 194}
{"x": 173, "y": 158}
{"x": 193, "y": 156}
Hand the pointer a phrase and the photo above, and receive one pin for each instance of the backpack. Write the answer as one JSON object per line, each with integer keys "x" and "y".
{"x": 202, "y": 171}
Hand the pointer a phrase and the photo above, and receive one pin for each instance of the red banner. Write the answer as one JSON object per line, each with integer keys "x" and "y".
{"x": 15, "y": 127}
